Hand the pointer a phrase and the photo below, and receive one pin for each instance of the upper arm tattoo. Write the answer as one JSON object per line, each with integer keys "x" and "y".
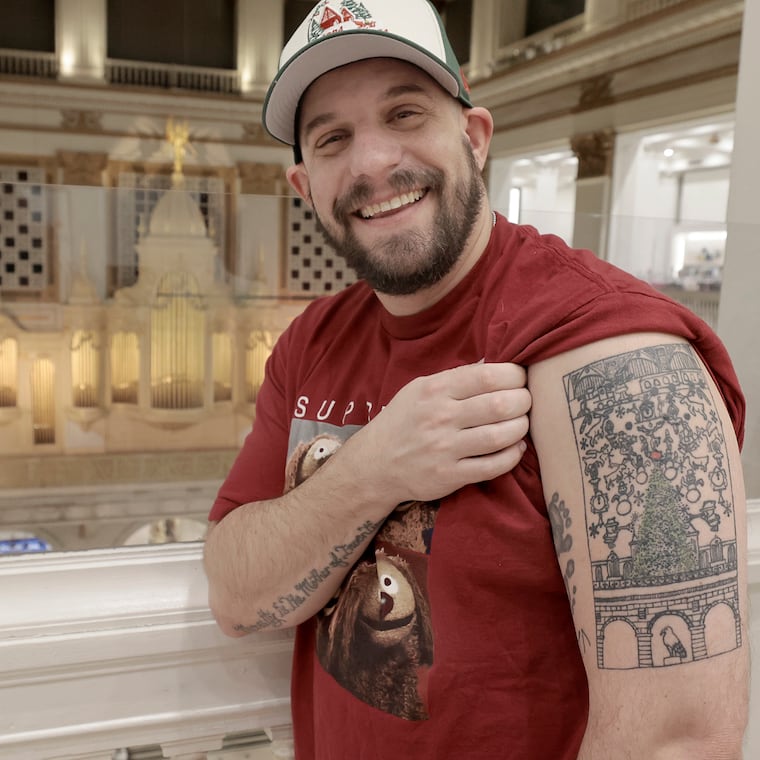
{"x": 659, "y": 513}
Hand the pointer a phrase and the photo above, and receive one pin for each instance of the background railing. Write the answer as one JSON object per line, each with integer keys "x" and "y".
{"x": 172, "y": 76}
{"x": 20, "y": 63}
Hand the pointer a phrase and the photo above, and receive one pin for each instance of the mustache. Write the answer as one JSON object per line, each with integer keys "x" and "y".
{"x": 402, "y": 181}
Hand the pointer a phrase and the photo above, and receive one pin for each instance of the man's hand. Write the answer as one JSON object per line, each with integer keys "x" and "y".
{"x": 447, "y": 430}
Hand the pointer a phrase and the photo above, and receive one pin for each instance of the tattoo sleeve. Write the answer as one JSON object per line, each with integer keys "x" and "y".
{"x": 657, "y": 493}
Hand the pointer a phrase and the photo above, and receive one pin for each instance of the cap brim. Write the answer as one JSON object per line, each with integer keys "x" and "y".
{"x": 332, "y": 52}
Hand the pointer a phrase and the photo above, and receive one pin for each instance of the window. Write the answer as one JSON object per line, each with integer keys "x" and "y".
{"x": 186, "y": 32}
{"x": 457, "y": 18}
{"x": 545, "y": 13}
{"x": 28, "y": 25}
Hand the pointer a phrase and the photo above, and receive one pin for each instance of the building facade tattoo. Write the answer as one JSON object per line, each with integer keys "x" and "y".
{"x": 659, "y": 512}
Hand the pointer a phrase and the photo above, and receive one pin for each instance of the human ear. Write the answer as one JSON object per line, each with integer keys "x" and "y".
{"x": 298, "y": 179}
{"x": 479, "y": 130}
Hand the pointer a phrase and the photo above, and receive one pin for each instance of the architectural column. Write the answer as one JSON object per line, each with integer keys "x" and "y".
{"x": 594, "y": 151}
{"x": 494, "y": 25}
{"x": 82, "y": 168}
{"x": 739, "y": 317}
{"x": 259, "y": 42}
{"x": 644, "y": 642}
{"x": 602, "y": 13}
{"x": 698, "y": 643}
{"x": 80, "y": 39}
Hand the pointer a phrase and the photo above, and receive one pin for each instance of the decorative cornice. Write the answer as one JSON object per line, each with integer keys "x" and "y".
{"x": 54, "y": 471}
{"x": 261, "y": 179}
{"x": 594, "y": 151}
{"x": 79, "y": 168}
{"x": 81, "y": 121}
{"x": 686, "y": 26}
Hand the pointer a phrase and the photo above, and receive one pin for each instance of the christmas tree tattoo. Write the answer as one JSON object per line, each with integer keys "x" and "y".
{"x": 659, "y": 512}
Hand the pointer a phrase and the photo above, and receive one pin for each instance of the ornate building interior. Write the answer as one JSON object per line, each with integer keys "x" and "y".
{"x": 151, "y": 252}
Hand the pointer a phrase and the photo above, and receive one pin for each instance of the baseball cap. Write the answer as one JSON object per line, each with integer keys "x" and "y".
{"x": 338, "y": 32}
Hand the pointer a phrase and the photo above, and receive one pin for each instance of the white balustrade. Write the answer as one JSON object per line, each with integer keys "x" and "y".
{"x": 110, "y": 649}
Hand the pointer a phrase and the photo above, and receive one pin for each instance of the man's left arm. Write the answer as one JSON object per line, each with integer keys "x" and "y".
{"x": 643, "y": 483}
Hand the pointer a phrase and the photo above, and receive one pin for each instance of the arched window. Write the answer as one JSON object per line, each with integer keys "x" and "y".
{"x": 177, "y": 361}
{"x": 613, "y": 565}
{"x": 716, "y": 550}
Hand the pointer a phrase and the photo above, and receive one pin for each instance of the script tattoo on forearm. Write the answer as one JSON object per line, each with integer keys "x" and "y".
{"x": 340, "y": 557}
{"x": 659, "y": 509}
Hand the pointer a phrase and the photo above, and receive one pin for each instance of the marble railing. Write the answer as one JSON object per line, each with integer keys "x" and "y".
{"x": 106, "y": 650}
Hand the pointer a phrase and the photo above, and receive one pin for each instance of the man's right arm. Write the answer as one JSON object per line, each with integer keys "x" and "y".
{"x": 274, "y": 564}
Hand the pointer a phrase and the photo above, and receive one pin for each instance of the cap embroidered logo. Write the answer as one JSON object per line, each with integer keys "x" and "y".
{"x": 325, "y": 19}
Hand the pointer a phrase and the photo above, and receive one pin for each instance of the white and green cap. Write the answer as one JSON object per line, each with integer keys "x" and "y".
{"x": 338, "y": 32}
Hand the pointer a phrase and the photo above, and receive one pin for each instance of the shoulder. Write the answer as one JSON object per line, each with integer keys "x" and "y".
{"x": 547, "y": 260}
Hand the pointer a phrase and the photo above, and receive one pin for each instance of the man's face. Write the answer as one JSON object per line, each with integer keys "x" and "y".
{"x": 390, "y": 172}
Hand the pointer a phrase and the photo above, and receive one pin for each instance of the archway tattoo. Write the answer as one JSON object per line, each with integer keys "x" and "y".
{"x": 659, "y": 514}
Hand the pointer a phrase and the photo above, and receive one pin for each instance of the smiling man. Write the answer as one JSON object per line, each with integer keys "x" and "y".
{"x": 466, "y": 582}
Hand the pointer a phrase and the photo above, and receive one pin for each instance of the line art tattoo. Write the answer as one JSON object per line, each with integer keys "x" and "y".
{"x": 659, "y": 509}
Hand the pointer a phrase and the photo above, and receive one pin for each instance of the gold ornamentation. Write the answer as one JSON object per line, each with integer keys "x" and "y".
{"x": 594, "y": 151}
{"x": 82, "y": 168}
{"x": 86, "y": 121}
{"x": 261, "y": 179}
{"x": 254, "y": 132}
{"x": 178, "y": 136}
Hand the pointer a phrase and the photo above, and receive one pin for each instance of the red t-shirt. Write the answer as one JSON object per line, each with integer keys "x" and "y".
{"x": 452, "y": 637}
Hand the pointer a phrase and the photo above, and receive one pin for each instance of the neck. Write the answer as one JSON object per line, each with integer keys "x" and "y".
{"x": 403, "y": 306}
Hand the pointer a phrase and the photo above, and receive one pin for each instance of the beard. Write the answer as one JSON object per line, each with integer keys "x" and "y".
{"x": 410, "y": 261}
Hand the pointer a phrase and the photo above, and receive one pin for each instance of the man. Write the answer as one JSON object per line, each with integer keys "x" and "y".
{"x": 461, "y": 592}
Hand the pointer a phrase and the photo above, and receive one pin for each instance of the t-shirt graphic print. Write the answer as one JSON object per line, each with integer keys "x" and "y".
{"x": 375, "y": 636}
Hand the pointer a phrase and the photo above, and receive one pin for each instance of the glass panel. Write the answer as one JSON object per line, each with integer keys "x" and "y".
{"x": 188, "y": 32}
{"x": 123, "y": 399}
{"x": 123, "y": 403}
